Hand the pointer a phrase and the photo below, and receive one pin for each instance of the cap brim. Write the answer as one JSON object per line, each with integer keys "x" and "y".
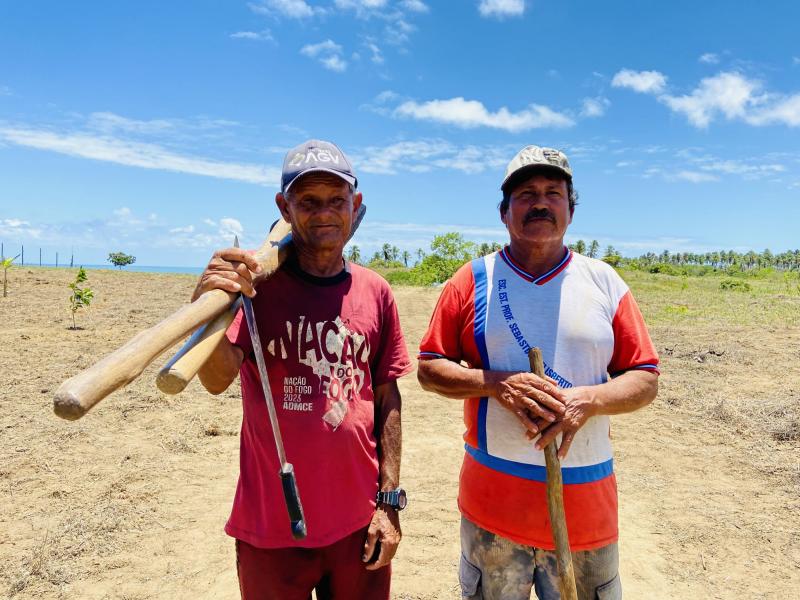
{"x": 345, "y": 177}
{"x": 528, "y": 170}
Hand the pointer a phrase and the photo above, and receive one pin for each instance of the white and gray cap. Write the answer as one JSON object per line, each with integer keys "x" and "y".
{"x": 316, "y": 155}
{"x": 535, "y": 157}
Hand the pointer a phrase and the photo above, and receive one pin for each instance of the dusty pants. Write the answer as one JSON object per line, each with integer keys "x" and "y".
{"x": 495, "y": 568}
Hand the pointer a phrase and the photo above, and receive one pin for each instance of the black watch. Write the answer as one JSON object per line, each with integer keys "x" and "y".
{"x": 395, "y": 499}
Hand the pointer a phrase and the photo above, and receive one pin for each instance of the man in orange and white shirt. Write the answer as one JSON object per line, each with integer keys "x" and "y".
{"x": 599, "y": 361}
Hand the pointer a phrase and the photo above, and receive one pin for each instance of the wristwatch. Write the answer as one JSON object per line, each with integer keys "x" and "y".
{"x": 395, "y": 499}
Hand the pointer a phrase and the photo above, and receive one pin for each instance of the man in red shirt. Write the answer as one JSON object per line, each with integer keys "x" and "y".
{"x": 332, "y": 343}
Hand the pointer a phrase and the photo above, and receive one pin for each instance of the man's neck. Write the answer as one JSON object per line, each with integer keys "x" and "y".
{"x": 537, "y": 259}
{"x": 320, "y": 263}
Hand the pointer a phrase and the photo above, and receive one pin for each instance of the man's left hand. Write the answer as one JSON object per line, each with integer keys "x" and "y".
{"x": 384, "y": 528}
{"x": 578, "y": 408}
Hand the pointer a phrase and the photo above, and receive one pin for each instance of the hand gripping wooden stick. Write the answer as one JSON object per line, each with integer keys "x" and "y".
{"x": 77, "y": 395}
{"x": 176, "y": 374}
{"x": 555, "y": 501}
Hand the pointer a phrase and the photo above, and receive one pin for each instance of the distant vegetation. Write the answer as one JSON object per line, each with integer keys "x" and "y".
{"x": 120, "y": 259}
{"x": 450, "y": 250}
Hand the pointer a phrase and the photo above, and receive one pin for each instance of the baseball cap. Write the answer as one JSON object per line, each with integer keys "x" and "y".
{"x": 536, "y": 157}
{"x": 316, "y": 155}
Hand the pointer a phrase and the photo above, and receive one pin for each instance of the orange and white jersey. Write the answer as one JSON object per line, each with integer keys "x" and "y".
{"x": 583, "y": 317}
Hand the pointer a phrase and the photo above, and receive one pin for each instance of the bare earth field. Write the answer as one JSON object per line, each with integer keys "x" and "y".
{"x": 130, "y": 501}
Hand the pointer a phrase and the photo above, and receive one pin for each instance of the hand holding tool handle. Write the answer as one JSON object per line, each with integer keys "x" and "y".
{"x": 78, "y": 394}
{"x": 555, "y": 501}
{"x": 176, "y": 374}
{"x": 293, "y": 505}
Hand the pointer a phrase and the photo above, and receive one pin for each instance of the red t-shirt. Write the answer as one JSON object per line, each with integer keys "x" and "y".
{"x": 327, "y": 343}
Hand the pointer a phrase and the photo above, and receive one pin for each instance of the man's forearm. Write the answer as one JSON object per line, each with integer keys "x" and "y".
{"x": 452, "y": 380}
{"x": 221, "y": 368}
{"x": 388, "y": 434}
{"x": 630, "y": 391}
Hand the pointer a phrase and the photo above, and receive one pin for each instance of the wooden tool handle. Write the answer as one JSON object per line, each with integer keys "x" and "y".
{"x": 77, "y": 395}
{"x": 176, "y": 374}
{"x": 181, "y": 368}
{"x": 555, "y": 501}
{"x": 80, "y": 393}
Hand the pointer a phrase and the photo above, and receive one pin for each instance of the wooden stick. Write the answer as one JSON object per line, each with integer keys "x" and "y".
{"x": 78, "y": 394}
{"x": 179, "y": 370}
{"x": 176, "y": 374}
{"x": 555, "y": 502}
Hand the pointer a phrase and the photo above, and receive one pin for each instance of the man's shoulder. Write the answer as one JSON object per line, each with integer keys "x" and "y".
{"x": 366, "y": 275}
{"x": 600, "y": 272}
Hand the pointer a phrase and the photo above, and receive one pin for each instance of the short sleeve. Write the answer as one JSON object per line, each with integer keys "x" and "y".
{"x": 391, "y": 360}
{"x": 451, "y": 322}
{"x": 633, "y": 348}
{"x": 238, "y": 334}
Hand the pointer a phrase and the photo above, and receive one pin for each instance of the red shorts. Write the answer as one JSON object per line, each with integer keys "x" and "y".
{"x": 334, "y": 571}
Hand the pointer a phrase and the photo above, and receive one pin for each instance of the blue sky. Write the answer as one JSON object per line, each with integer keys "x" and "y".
{"x": 159, "y": 128}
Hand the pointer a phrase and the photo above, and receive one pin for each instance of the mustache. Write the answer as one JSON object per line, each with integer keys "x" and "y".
{"x": 539, "y": 213}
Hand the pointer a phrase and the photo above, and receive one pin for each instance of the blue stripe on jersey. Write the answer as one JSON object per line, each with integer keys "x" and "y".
{"x": 570, "y": 475}
{"x": 479, "y": 274}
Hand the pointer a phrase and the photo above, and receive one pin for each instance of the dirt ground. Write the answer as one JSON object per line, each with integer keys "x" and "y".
{"x": 130, "y": 501}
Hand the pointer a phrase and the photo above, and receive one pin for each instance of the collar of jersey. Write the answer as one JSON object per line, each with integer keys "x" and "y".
{"x": 505, "y": 254}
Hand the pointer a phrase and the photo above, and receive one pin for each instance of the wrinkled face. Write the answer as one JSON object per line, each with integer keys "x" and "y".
{"x": 538, "y": 210}
{"x": 321, "y": 208}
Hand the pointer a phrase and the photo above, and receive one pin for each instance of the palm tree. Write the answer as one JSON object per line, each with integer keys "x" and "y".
{"x": 354, "y": 255}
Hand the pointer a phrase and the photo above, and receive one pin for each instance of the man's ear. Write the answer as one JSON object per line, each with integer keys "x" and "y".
{"x": 282, "y": 203}
{"x": 357, "y": 199}
{"x": 503, "y": 216}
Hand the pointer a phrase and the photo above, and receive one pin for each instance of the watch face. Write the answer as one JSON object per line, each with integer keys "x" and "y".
{"x": 401, "y": 499}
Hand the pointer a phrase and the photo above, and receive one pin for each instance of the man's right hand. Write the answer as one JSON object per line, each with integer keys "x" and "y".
{"x": 535, "y": 401}
{"x": 232, "y": 270}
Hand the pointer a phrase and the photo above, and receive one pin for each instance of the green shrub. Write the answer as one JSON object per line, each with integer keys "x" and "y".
{"x": 735, "y": 285}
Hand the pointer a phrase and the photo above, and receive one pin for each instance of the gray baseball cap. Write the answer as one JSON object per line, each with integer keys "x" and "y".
{"x": 316, "y": 155}
{"x": 535, "y": 157}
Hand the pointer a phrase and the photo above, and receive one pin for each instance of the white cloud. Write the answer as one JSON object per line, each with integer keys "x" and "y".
{"x": 328, "y": 53}
{"x": 501, "y": 8}
{"x": 360, "y": 5}
{"x": 595, "y": 107}
{"x": 709, "y": 58}
{"x": 265, "y": 35}
{"x": 377, "y": 56}
{"x": 695, "y": 176}
{"x": 415, "y": 6}
{"x": 421, "y": 156}
{"x": 469, "y": 114}
{"x": 294, "y": 9}
{"x": 230, "y": 225}
{"x": 398, "y": 30}
{"x": 785, "y": 110}
{"x": 108, "y": 122}
{"x": 187, "y": 229}
{"x": 644, "y": 82}
{"x": 728, "y": 94}
{"x": 5, "y": 90}
{"x": 796, "y": 60}
{"x": 135, "y": 154}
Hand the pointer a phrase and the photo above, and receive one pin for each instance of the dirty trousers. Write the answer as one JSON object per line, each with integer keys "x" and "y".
{"x": 495, "y": 568}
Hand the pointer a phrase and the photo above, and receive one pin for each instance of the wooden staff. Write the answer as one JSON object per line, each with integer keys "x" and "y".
{"x": 555, "y": 501}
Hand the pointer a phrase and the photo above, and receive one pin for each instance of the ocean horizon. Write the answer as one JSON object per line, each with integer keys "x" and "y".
{"x": 136, "y": 268}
